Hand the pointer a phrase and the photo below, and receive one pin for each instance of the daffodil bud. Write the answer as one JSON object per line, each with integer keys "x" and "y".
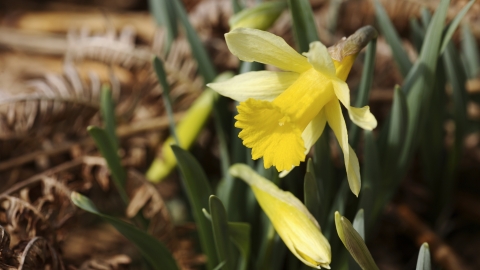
{"x": 262, "y": 16}
{"x": 294, "y": 224}
{"x": 187, "y": 131}
{"x": 354, "y": 243}
{"x": 344, "y": 52}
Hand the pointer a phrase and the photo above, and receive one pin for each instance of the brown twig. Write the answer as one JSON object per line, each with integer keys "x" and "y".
{"x": 442, "y": 253}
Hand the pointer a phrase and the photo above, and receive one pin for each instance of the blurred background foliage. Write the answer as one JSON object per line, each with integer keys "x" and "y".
{"x": 69, "y": 65}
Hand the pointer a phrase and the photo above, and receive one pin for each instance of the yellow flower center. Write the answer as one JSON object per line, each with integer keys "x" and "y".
{"x": 274, "y": 129}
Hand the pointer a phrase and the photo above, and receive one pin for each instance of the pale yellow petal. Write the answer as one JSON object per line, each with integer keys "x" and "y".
{"x": 260, "y": 46}
{"x": 342, "y": 92}
{"x": 261, "y": 85}
{"x": 314, "y": 130}
{"x": 320, "y": 59}
{"x": 362, "y": 117}
{"x": 333, "y": 113}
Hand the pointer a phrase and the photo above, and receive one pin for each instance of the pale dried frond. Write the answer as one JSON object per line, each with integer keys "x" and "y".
{"x": 108, "y": 48}
{"x": 115, "y": 262}
{"x": 55, "y": 102}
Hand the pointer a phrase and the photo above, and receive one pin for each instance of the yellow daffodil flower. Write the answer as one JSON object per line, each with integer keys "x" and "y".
{"x": 283, "y": 113}
{"x": 293, "y": 222}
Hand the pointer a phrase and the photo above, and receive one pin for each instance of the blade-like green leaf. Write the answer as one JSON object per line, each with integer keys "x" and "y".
{"x": 108, "y": 151}
{"x": 221, "y": 233}
{"x": 421, "y": 88}
{"x": 354, "y": 243}
{"x": 471, "y": 55}
{"x": 426, "y": 17}
{"x": 364, "y": 89}
{"x": 311, "y": 195}
{"x": 391, "y": 35}
{"x": 239, "y": 233}
{"x": 454, "y": 24}
{"x": 167, "y": 101}
{"x": 371, "y": 179}
{"x": 324, "y": 173}
{"x": 397, "y": 132}
{"x": 417, "y": 33}
{"x": 205, "y": 66}
{"x": 303, "y": 23}
{"x": 157, "y": 255}
{"x": 107, "y": 109}
{"x": 457, "y": 79}
{"x": 236, "y": 6}
{"x": 198, "y": 191}
{"x": 164, "y": 14}
{"x": 423, "y": 261}
{"x": 220, "y": 266}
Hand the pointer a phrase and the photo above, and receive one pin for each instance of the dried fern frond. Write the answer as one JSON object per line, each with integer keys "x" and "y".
{"x": 52, "y": 103}
{"x": 108, "y": 48}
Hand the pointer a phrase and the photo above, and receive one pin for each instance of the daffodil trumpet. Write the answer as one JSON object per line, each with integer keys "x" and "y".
{"x": 292, "y": 221}
{"x": 283, "y": 113}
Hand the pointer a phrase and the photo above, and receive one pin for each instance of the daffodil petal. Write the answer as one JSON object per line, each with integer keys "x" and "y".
{"x": 320, "y": 59}
{"x": 362, "y": 117}
{"x": 334, "y": 116}
{"x": 256, "y": 45}
{"x": 260, "y": 85}
{"x": 342, "y": 92}
{"x": 314, "y": 130}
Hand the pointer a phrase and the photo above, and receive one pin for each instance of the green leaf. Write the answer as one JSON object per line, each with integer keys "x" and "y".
{"x": 417, "y": 33}
{"x": 457, "y": 80}
{"x": 205, "y": 66}
{"x": 108, "y": 151}
{"x": 364, "y": 89}
{"x": 303, "y": 23}
{"x": 397, "y": 132}
{"x": 220, "y": 266}
{"x": 311, "y": 194}
{"x": 371, "y": 179}
{"x": 221, "y": 233}
{"x": 391, "y": 35}
{"x": 426, "y": 17}
{"x": 236, "y": 6}
{"x": 198, "y": 191}
{"x": 167, "y": 101}
{"x": 107, "y": 109}
{"x": 421, "y": 88}
{"x": 239, "y": 233}
{"x": 454, "y": 24}
{"x": 471, "y": 55}
{"x": 164, "y": 13}
{"x": 155, "y": 252}
{"x": 323, "y": 169}
{"x": 354, "y": 243}
{"x": 423, "y": 262}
